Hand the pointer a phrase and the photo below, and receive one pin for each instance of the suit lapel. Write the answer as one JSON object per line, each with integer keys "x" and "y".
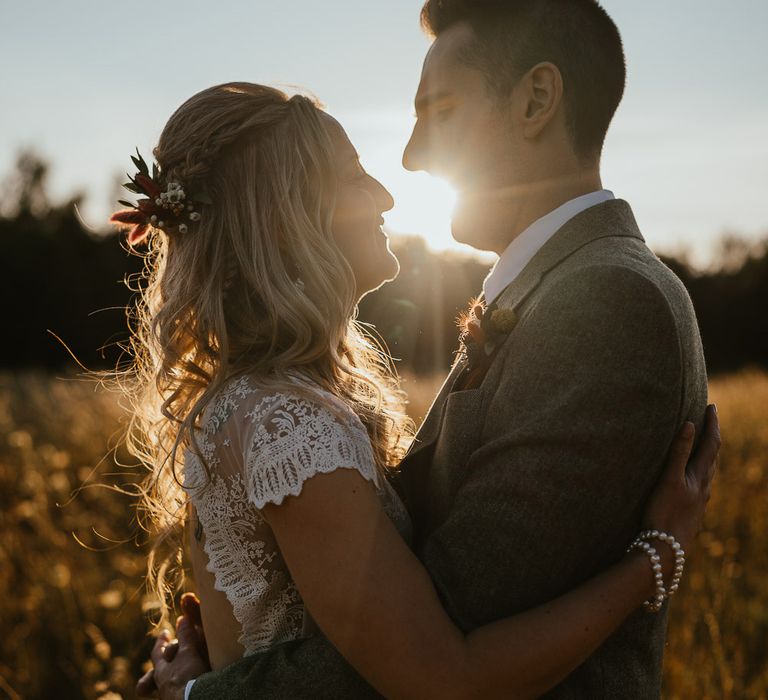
{"x": 431, "y": 427}
{"x": 607, "y": 220}
{"x": 610, "y": 219}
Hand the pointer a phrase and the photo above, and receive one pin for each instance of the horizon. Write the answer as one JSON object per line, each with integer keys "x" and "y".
{"x": 687, "y": 148}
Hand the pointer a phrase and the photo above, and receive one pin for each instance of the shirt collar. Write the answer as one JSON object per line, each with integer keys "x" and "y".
{"x": 525, "y": 246}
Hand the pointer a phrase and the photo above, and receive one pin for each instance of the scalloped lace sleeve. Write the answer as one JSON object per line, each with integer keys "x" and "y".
{"x": 260, "y": 447}
{"x": 297, "y": 438}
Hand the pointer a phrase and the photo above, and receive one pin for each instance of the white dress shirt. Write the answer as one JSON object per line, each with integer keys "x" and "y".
{"x": 522, "y": 249}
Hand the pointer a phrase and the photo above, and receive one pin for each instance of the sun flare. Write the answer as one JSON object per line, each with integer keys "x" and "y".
{"x": 423, "y": 206}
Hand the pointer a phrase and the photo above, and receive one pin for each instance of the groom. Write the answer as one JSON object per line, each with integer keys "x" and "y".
{"x": 533, "y": 465}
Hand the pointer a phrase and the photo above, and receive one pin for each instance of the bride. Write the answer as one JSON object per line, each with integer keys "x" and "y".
{"x": 272, "y": 424}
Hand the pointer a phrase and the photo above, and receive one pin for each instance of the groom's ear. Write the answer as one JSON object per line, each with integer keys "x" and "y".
{"x": 539, "y": 98}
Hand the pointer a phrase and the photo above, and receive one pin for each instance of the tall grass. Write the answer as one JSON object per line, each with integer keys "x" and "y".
{"x": 70, "y": 570}
{"x": 72, "y": 559}
{"x": 718, "y": 630}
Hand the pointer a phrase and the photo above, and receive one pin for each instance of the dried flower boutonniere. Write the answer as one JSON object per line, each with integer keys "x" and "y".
{"x": 483, "y": 330}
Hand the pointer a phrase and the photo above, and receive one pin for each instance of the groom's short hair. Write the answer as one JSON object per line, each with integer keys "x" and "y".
{"x": 512, "y": 36}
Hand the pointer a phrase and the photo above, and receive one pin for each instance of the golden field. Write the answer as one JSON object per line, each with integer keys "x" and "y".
{"x": 72, "y": 557}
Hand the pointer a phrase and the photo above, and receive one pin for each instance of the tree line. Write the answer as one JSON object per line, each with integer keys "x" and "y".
{"x": 63, "y": 292}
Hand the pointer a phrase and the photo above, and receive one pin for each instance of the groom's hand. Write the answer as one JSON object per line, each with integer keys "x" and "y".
{"x": 190, "y": 628}
{"x": 190, "y": 609}
{"x": 170, "y": 677}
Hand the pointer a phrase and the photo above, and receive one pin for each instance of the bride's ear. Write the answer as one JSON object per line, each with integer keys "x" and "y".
{"x": 539, "y": 97}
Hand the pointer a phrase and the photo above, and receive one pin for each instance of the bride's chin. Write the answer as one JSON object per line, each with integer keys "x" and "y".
{"x": 394, "y": 270}
{"x": 387, "y": 273}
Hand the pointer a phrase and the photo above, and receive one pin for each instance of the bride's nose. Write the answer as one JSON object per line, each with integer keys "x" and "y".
{"x": 383, "y": 197}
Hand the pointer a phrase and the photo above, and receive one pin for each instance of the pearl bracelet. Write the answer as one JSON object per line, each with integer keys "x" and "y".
{"x": 655, "y": 603}
{"x": 676, "y": 548}
{"x": 641, "y": 543}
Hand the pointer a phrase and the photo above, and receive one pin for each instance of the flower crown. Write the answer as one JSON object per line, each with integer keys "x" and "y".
{"x": 166, "y": 207}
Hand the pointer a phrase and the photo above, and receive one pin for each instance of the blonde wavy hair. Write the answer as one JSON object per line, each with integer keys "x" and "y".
{"x": 222, "y": 300}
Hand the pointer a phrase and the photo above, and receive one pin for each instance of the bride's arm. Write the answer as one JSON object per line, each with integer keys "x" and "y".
{"x": 375, "y": 602}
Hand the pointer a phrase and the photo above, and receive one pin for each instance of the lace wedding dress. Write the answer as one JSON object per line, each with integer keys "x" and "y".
{"x": 261, "y": 447}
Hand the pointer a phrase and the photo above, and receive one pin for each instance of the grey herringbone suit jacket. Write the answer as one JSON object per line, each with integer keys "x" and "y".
{"x": 527, "y": 485}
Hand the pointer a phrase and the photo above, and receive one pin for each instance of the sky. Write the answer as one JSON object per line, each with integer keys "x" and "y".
{"x": 84, "y": 83}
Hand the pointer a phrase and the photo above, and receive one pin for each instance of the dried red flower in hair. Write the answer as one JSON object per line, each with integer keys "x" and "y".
{"x": 169, "y": 209}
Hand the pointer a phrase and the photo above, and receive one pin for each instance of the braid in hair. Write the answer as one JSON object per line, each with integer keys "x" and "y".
{"x": 197, "y": 135}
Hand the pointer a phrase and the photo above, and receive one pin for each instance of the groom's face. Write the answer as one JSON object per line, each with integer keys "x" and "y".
{"x": 462, "y": 133}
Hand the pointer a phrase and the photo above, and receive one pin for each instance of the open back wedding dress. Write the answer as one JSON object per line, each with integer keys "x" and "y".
{"x": 261, "y": 447}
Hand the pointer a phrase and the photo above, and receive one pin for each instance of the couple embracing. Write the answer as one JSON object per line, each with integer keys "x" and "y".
{"x": 526, "y": 541}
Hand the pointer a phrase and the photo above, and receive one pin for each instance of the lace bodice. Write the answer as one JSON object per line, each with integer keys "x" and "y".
{"x": 261, "y": 447}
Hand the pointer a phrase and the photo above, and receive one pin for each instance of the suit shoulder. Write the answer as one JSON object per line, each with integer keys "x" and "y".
{"x": 627, "y": 263}
{"x": 611, "y": 282}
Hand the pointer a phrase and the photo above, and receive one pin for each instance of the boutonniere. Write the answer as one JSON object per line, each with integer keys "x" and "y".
{"x": 483, "y": 330}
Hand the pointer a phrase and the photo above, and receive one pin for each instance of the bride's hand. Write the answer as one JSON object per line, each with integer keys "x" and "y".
{"x": 679, "y": 500}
